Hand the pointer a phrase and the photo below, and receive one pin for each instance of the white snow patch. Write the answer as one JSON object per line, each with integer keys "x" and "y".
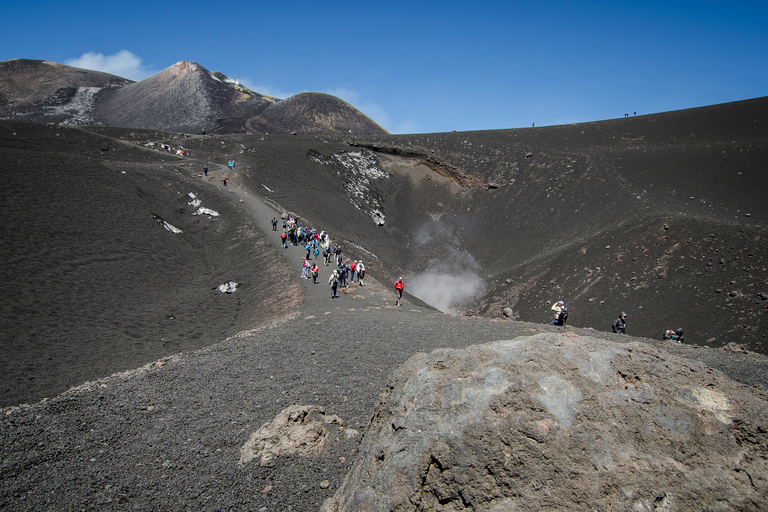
{"x": 173, "y": 229}
{"x": 201, "y": 210}
{"x": 79, "y": 107}
{"x": 359, "y": 171}
{"x": 195, "y": 202}
{"x": 167, "y": 225}
{"x": 228, "y": 287}
{"x": 206, "y": 211}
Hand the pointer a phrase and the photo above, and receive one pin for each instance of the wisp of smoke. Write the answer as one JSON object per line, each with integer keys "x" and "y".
{"x": 448, "y": 292}
{"x": 449, "y": 282}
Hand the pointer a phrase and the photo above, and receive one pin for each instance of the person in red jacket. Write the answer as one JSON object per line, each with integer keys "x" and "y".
{"x": 314, "y": 271}
{"x": 399, "y": 287}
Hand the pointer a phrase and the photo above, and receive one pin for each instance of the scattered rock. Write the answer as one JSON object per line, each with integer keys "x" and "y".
{"x": 509, "y": 313}
{"x": 293, "y": 431}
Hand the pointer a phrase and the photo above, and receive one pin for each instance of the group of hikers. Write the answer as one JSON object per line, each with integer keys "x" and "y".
{"x": 317, "y": 244}
{"x": 619, "y": 325}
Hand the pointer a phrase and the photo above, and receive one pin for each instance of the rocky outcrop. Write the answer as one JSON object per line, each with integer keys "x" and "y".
{"x": 561, "y": 422}
{"x": 299, "y": 429}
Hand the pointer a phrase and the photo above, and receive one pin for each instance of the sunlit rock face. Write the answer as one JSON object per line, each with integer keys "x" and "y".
{"x": 560, "y": 422}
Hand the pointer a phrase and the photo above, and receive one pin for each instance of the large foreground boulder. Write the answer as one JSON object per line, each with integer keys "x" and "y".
{"x": 561, "y": 422}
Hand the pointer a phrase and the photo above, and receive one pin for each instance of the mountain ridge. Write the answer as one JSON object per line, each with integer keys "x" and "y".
{"x": 184, "y": 97}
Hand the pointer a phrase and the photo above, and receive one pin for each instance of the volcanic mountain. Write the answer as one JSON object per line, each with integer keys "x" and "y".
{"x": 184, "y": 97}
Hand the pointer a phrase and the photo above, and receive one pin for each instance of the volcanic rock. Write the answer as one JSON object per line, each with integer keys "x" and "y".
{"x": 296, "y": 430}
{"x": 561, "y": 422}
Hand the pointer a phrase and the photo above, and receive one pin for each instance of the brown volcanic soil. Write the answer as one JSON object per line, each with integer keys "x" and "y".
{"x": 93, "y": 284}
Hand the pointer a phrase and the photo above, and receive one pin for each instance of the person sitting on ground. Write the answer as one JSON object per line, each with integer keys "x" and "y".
{"x": 561, "y": 313}
{"x": 620, "y": 324}
{"x": 674, "y": 335}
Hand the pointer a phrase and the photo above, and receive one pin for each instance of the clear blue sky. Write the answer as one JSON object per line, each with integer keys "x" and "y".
{"x": 426, "y": 66}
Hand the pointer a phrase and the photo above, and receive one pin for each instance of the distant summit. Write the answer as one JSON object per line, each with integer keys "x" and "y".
{"x": 315, "y": 113}
{"x": 185, "y": 97}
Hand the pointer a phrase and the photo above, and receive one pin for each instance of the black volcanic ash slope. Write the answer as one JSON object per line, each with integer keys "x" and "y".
{"x": 93, "y": 282}
{"x": 43, "y": 91}
{"x": 598, "y": 214}
{"x": 662, "y": 216}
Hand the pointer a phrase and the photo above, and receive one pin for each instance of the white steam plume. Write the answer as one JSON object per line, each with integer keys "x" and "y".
{"x": 448, "y": 282}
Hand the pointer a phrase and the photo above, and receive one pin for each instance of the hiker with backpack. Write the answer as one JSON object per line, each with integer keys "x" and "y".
{"x": 620, "y": 324}
{"x": 561, "y": 313}
{"x": 334, "y": 282}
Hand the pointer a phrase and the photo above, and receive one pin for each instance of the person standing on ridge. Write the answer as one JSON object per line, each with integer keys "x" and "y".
{"x": 399, "y": 288}
{"x": 561, "y": 313}
{"x": 274, "y": 224}
{"x": 620, "y": 324}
